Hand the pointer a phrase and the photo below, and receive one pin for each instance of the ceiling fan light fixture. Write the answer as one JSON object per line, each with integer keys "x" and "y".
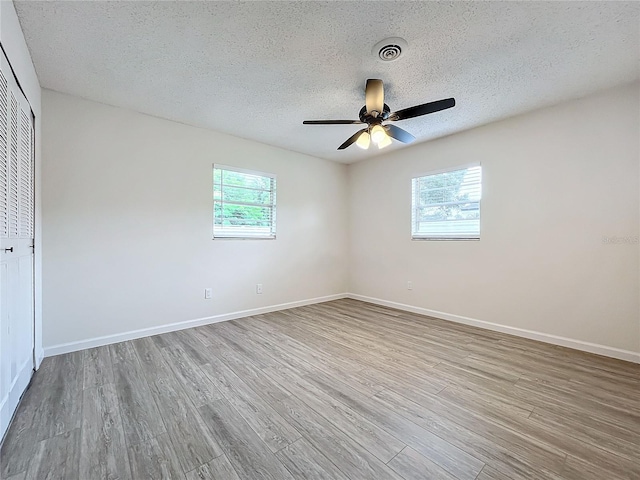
{"x": 364, "y": 140}
{"x": 385, "y": 142}
{"x": 378, "y": 134}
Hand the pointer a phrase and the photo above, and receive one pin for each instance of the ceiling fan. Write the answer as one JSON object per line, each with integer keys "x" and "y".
{"x": 375, "y": 112}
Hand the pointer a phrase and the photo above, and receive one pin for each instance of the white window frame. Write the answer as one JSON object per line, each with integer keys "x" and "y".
{"x": 415, "y": 235}
{"x": 239, "y": 234}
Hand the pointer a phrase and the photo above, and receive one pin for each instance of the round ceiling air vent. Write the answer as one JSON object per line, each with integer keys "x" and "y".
{"x": 389, "y": 49}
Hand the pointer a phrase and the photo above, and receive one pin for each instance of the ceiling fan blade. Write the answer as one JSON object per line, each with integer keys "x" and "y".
{"x": 399, "y": 134}
{"x": 423, "y": 109}
{"x": 352, "y": 139}
{"x": 374, "y": 96}
{"x": 330, "y": 122}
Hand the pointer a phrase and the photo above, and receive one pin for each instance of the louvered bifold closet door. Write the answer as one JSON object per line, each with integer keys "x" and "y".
{"x": 4, "y": 164}
{"x": 13, "y": 167}
{"x": 25, "y": 177}
{"x": 16, "y": 167}
{"x": 16, "y": 243}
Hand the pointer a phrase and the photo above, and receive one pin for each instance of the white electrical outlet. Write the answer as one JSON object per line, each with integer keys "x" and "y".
{"x": 409, "y": 285}
{"x": 208, "y": 292}
{"x": 259, "y": 288}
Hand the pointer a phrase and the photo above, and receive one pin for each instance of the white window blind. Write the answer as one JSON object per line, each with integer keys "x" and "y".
{"x": 446, "y": 205}
{"x": 244, "y": 203}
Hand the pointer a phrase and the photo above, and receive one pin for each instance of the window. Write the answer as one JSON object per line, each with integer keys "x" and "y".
{"x": 446, "y": 205}
{"x": 244, "y": 203}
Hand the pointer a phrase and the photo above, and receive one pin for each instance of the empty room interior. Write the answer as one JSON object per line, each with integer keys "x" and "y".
{"x": 286, "y": 240}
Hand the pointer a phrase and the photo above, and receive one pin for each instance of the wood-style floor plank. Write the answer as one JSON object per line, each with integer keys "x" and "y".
{"x": 490, "y": 445}
{"x": 103, "y": 452}
{"x": 368, "y": 434}
{"x": 97, "y": 367}
{"x": 297, "y": 356}
{"x": 60, "y": 408}
{"x": 244, "y": 368}
{"x": 141, "y": 418}
{"x": 235, "y": 337}
{"x": 606, "y": 440}
{"x": 193, "y": 445}
{"x": 413, "y": 466}
{"x": 190, "y": 376}
{"x": 272, "y": 429}
{"x": 17, "y": 451}
{"x": 489, "y": 473}
{"x": 56, "y": 458}
{"x": 250, "y": 456}
{"x": 305, "y": 462}
{"x": 217, "y": 469}
{"x": 337, "y": 390}
{"x": 20, "y": 476}
{"x": 449, "y": 457}
{"x": 353, "y": 460}
{"x": 155, "y": 458}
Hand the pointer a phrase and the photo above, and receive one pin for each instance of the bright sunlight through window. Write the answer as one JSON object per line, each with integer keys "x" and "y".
{"x": 244, "y": 203}
{"x": 446, "y": 205}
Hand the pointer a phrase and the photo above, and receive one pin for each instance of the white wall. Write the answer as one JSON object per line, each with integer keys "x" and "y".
{"x": 17, "y": 52}
{"x": 127, "y": 226}
{"x": 555, "y": 182}
{"x": 127, "y": 222}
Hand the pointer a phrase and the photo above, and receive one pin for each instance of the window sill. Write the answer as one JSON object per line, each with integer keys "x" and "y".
{"x": 444, "y": 239}
{"x": 243, "y": 238}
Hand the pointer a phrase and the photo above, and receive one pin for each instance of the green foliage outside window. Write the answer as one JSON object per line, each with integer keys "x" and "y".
{"x": 243, "y": 199}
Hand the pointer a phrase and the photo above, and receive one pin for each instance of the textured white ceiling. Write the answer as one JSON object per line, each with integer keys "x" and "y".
{"x": 258, "y": 69}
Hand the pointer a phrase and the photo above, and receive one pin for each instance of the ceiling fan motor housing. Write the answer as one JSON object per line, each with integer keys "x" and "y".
{"x": 370, "y": 119}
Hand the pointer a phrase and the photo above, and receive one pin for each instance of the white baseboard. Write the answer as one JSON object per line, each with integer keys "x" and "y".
{"x": 519, "y": 332}
{"x": 620, "y": 354}
{"x": 172, "y": 327}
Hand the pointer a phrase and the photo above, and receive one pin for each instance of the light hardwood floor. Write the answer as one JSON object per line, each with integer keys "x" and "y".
{"x": 340, "y": 390}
